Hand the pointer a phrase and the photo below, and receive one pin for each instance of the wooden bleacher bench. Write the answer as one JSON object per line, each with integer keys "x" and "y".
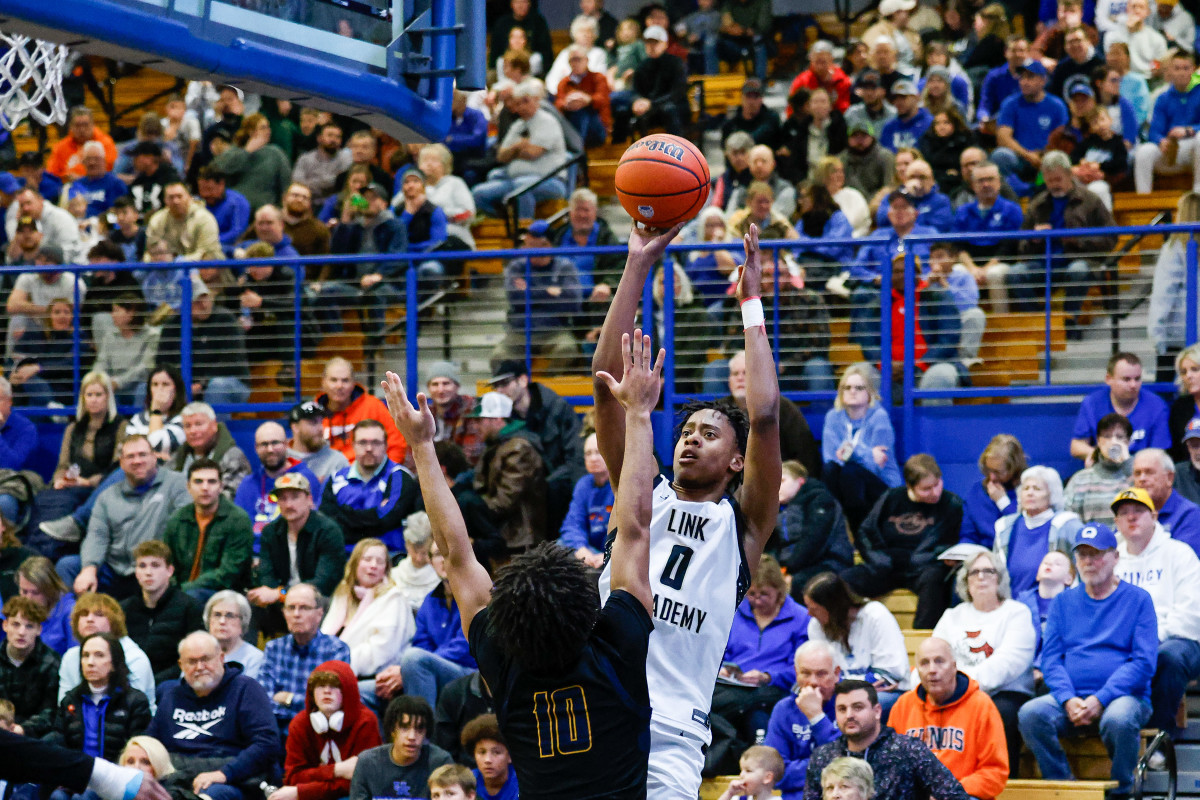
{"x": 1036, "y": 789}
{"x": 712, "y": 788}
{"x": 903, "y": 605}
{"x": 713, "y": 95}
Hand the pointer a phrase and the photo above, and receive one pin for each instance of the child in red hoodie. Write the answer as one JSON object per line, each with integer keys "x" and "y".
{"x": 324, "y": 741}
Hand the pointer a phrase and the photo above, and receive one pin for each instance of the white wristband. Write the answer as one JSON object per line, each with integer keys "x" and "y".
{"x": 752, "y": 313}
{"x": 113, "y": 782}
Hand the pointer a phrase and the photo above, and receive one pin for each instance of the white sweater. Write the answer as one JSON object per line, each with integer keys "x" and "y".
{"x": 993, "y": 647}
{"x": 876, "y": 643}
{"x": 1170, "y": 571}
{"x": 377, "y": 635}
{"x": 415, "y": 583}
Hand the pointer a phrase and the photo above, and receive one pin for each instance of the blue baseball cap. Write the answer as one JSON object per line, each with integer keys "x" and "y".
{"x": 1097, "y": 535}
{"x": 1034, "y": 67}
{"x": 1192, "y": 431}
{"x": 9, "y": 184}
{"x": 539, "y": 228}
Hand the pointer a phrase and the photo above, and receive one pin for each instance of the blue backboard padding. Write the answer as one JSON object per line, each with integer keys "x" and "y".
{"x": 206, "y": 49}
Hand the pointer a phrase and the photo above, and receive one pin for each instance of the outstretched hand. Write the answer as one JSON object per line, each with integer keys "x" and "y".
{"x": 750, "y": 273}
{"x": 639, "y": 387}
{"x": 650, "y": 244}
{"x": 416, "y": 425}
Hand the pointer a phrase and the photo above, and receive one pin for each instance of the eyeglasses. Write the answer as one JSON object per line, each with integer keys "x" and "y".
{"x": 224, "y": 615}
{"x": 983, "y": 572}
{"x": 370, "y": 443}
{"x": 298, "y": 609}
{"x": 195, "y": 662}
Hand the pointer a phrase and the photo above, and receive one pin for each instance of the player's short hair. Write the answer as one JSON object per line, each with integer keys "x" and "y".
{"x": 543, "y": 584}
{"x": 733, "y": 413}
{"x": 1129, "y": 358}
{"x": 407, "y": 709}
{"x": 485, "y": 726}
{"x": 152, "y": 549}
{"x": 768, "y": 758}
{"x": 449, "y": 775}
{"x": 853, "y": 685}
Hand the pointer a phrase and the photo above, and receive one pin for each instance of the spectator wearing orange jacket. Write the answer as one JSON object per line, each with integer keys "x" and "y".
{"x": 347, "y": 404}
{"x": 66, "y": 159}
{"x": 950, "y": 713}
{"x": 323, "y": 743}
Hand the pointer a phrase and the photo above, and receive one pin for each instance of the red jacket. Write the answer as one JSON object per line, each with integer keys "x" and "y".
{"x": 838, "y": 86}
{"x": 307, "y": 766}
{"x": 339, "y": 425}
{"x": 594, "y": 84}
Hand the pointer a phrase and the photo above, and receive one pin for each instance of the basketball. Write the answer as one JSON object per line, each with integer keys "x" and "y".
{"x": 662, "y": 180}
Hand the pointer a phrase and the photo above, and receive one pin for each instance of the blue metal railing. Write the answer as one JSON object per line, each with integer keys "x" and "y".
{"x": 909, "y": 392}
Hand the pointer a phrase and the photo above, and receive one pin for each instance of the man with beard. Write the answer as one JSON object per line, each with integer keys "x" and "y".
{"x": 319, "y": 169}
{"x": 868, "y": 165}
{"x": 373, "y": 496}
{"x": 216, "y": 723}
{"x": 308, "y": 440}
{"x": 256, "y": 493}
{"x": 309, "y": 235}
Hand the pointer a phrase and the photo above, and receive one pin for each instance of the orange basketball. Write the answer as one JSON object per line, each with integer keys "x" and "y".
{"x": 662, "y": 179}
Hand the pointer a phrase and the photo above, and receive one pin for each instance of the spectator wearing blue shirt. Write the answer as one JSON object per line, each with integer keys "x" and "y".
{"x": 439, "y": 652}
{"x": 426, "y": 223}
{"x": 1154, "y": 472}
{"x": 18, "y": 439}
{"x": 586, "y": 525}
{"x": 1001, "y": 83}
{"x": 1023, "y": 127}
{"x": 231, "y": 209}
{"x": 934, "y": 209}
{"x": 1098, "y": 656}
{"x": 467, "y": 138}
{"x": 911, "y": 120}
{"x": 805, "y": 718}
{"x": 956, "y": 281}
{"x": 984, "y": 256}
{"x": 986, "y": 501}
{"x": 1065, "y": 204}
{"x": 1172, "y": 138}
{"x": 1055, "y": 574}
{"x": 256, "y": 493}
{"x": 32, "y": 172}
{"x": 1146, "y": 411}
{"x": 98, "y": 186}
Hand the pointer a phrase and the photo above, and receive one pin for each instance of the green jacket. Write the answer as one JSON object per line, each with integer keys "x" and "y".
{"x": 320, "y": 554}
{"x": 228, "y": 547}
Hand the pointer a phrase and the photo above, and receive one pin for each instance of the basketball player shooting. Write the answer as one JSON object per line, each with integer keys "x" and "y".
{"x": 568, "y": 677}
{"x": 702, "y": 537}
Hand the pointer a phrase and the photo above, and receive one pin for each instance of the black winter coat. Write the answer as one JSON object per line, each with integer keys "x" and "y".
{"x": 126, "y": 714}
{"x": 812, "y": 530}
{"x": 158, "y": 630}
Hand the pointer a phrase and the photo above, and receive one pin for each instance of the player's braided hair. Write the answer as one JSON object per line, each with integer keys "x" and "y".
{"x": 728, "y": 409}
{"x": 543, "y": 608}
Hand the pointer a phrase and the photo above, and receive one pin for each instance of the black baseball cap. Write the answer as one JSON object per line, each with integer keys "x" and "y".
{"x": 309, "y": 409}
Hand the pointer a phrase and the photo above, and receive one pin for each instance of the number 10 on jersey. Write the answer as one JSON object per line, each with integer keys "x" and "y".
{"x": 563, "y": 725}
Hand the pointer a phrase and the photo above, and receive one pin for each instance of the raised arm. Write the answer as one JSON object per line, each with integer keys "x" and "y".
{"x": 637, "y": 392}
{"x": 644, "y": 250}
{"x": 759, "y": 495}
{"x": 470, "y": 582}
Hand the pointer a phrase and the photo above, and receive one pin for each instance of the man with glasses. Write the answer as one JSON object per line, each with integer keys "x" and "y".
{"x": 255, "y": 494}
{"x": 216, "y": 723}
{"x": 290, "y": 659}
{"x": 372, "y": 497}
{"x": 933, "y": 207}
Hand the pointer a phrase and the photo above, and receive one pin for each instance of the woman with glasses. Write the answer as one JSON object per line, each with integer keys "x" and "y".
{"x": 858, "y": 445}
{"x": 993, "y": 640}
{"x": 227, "y": 617}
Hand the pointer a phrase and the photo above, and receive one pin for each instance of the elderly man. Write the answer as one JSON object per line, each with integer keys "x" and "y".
{"x": 1147, "y": 412}
{"x": 583, "y": 98}
{"x": 933, "y": 207}
{"x": 66, "y": 159}
{"x": 805, "y": 720}
{"x": 318, "y": 169}
{"x": 1064, "y": 204}
{"x": 220, "y": 368}
{"x": 1023, "y": 126}
{"x": 796, "y": 441}
{"x": 531, "y": 147}
{"x": 133, "y": 511}
{"x": 186, "y": 225}
{"x": 229, "y": 208}
{"x": 347, "y": 404}
{"x": 58, "y": 227}
{"x": 967, "y": 161}
{"x": 957, "y": 721}
{"x": 227, "y": 617}
{"x": 204, "y": 437}
{"x": 903, "y": 767}
{"x": 598, "y": 274}
{"x": 762, "y": 168}
{"x": 210, "y": 539}
{"x": 988, "y": 212}
{"x": 216, "y": 723}
{"x": 551, "y": 284}
{"x": 289, "y": 660}
{"x": 256, "y": 493}
{"x": 98, "y": 186}
{"x": 373, "y": 496}
{"x": 1170, "y": 571}
{"x": 268, "y": 227}
{"x": 823, "y": 73}
{"x": 1154, "y": 471}
{"x": 1098, "y": 657}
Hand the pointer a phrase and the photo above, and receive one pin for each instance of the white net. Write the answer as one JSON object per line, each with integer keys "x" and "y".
{"x": 31, "y": 73}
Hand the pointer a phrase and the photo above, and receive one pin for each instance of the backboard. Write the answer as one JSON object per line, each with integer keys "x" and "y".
{"x": 390, "y": 63}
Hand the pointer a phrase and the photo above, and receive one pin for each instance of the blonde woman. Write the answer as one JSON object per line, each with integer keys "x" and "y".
{"x": 369, "y": 612}
{"x": 1187, "y": 405}
{"x": 830, "y": 172}
{"x": 848, "y": 778}
{"x": 858, "y": 445}
{"x": 1001, "y": 464}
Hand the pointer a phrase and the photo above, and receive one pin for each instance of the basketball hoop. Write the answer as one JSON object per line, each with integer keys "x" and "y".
{"x": 31, "y": 73}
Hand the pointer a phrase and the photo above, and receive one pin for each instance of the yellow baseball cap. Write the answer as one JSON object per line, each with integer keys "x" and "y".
{"x": 1135, "y": 495}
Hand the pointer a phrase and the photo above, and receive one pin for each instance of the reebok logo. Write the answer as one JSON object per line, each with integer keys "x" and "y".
{"x": 194, "y": 724}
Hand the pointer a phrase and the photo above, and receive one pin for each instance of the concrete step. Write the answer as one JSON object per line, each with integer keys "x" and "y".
{"x": 1187, "y": 756}
{"x": 1189, "y": 783}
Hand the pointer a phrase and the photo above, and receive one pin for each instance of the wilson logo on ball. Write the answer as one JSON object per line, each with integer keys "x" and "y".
{"x": 662, "y": 180}
{"x": 666, "y": 148}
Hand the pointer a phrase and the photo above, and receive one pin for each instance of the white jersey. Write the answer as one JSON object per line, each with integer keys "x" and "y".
{"x": 698, "y": 574}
